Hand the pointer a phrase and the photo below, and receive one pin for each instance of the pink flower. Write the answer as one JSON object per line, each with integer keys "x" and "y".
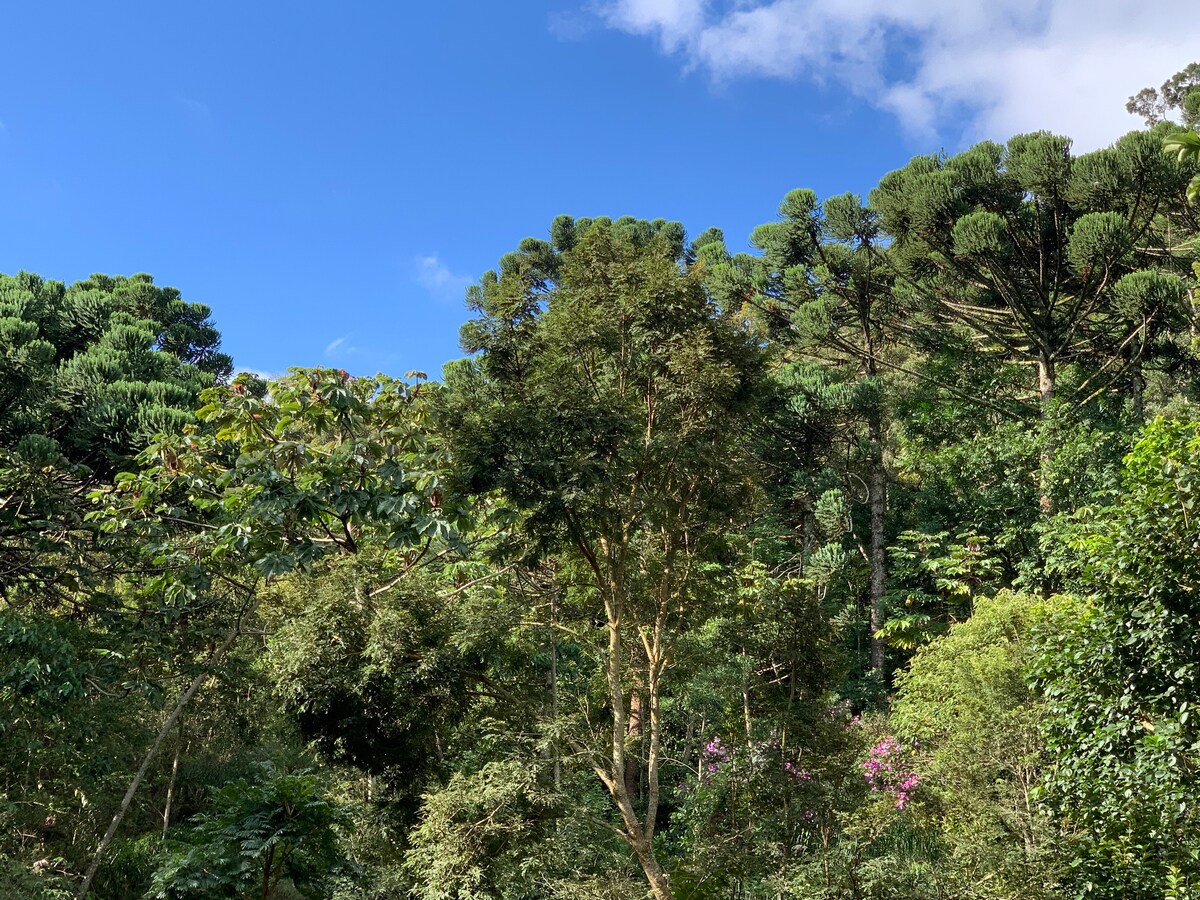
{"x": 886, "y": 770}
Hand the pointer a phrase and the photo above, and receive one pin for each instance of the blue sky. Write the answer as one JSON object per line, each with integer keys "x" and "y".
{"x": 329, "y": 178}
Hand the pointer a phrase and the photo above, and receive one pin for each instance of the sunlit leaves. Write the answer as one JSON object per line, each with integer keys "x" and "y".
{"x": 282, "y": 480}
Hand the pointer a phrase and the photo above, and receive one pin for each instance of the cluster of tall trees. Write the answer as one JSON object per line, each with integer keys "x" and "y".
{"x": 863, "y": 565}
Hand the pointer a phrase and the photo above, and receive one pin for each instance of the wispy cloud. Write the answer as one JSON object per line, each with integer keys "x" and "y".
{"x": 437, "y": 278}
{"x": 571, "y": 25}
{"x": 996, "y": 68}
{"x": 194, "y": 112}
{"x": 264, "y": 374}
{"x": 340, "y": 347}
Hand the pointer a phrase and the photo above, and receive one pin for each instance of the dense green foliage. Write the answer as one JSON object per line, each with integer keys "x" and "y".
{"x": 102, "y": 366}
{"x": 1122, "y": 680}
{"x": 860, "y": 567}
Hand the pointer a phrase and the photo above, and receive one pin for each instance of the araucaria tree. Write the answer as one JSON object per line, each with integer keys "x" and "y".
{"x": 823, "y": 274}
{"x": 608, "y": 402}
{"x": 1043, "y": 257}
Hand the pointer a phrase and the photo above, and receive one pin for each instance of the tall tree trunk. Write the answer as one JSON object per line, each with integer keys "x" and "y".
{"x": 634, "y": 739}
{"x": 184, "y": 699}
{"x": 747, "y": 720}
{"x": 554, "y": 683}
{"x": 174, "y": 778}
{"x": 614, "y": 776}
{"x": 1046, "y": 386}
{"x": 641, "y": 840}
{"x": 877, "y": 489}
{"x": 1047, "y": 379}
{"x": 877, "y": 493}
{"x": 268, "y": 863}
{"x": 660, "y": 884}
{"x": 1137, "y": 391}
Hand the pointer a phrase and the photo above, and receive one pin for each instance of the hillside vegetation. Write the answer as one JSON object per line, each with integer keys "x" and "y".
{"x": 862, "y": 566}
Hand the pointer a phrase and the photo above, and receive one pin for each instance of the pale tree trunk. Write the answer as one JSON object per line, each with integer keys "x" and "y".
{"x": 639, "y": 835}
{"x": 550, "y": 752}
{"x": 877, "y": 489}
{"x": 614, "y": 772}
{"x": 747, "y": 719}
{"x": 554, "y": 685}
{"x": 1046, "y": 386}
{"x": 1047, "y": 378}
{"x": 660, "y": 883}
{"x": 633, "y": 739}
{"x": 184, "y": 699}
{"x": 877, "y": 500}
{"x": 638, "y": 709}
{"x": 174, "y": 778}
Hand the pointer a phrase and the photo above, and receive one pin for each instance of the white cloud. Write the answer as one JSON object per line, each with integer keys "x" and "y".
{"x": 264, "y": 374}
{"x": 435, "y": 276}
{"x": 995, "y": 67}
{"x": 337, "y": 343}
{"x": 570, "y": 25}
{"x": 194, "y": 112}
{"x": 673, "y": 22}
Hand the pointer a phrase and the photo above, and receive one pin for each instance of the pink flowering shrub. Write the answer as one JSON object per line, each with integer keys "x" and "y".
{"x": 795, "y": 771}
{"x": 713, "y": 755}
{"x": 888, "y": 770}
{"x": 732, "y": 778}
{"x": 757, "y": 758}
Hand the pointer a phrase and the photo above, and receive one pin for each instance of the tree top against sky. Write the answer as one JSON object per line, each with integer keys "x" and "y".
{"x": 330, "y": 180}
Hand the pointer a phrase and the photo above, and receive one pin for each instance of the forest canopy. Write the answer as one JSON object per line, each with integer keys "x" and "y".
{"x": 862, "y": 565}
